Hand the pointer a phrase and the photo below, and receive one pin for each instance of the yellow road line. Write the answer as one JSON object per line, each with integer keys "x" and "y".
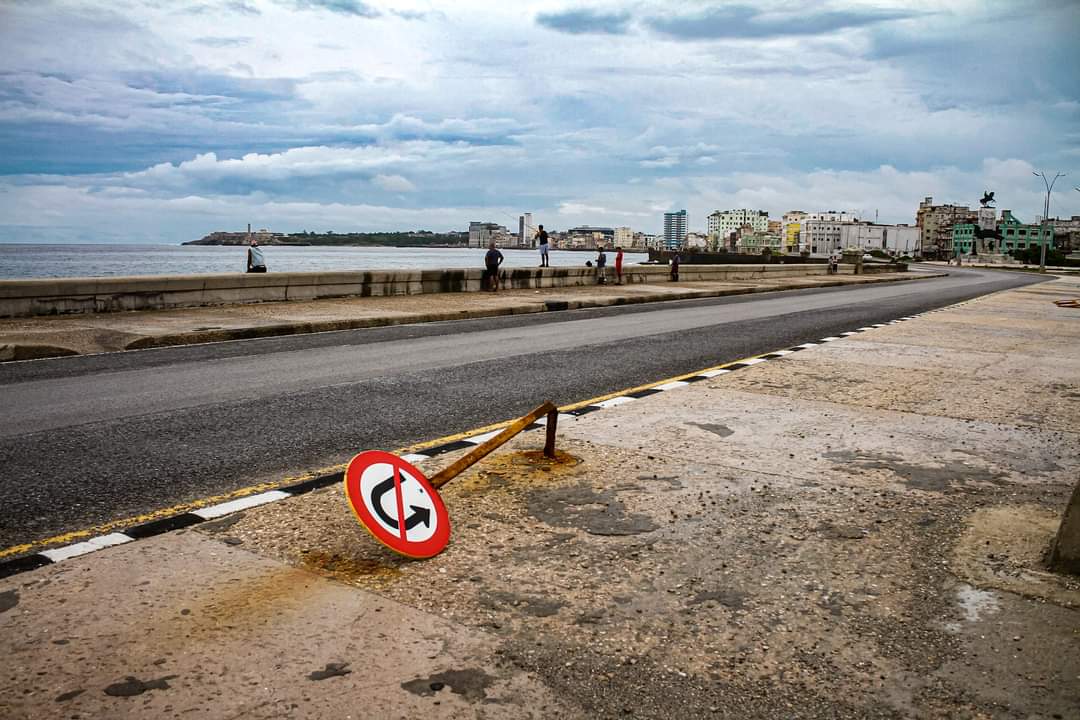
{"x": 112, "y": 525}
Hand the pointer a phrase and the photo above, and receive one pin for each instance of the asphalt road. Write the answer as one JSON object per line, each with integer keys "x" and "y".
{"x": 84, "y": 440}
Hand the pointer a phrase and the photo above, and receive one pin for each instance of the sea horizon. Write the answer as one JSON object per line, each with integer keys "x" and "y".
{"x": 28, "y": 261}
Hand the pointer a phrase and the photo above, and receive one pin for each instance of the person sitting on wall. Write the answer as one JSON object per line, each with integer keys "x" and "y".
{"x": 256, "y": 263}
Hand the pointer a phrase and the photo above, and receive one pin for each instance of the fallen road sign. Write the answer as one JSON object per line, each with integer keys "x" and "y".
{"x": 396, "y": 504}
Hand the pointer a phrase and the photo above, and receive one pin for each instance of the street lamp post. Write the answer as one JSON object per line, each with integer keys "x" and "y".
{"x": 1046, "y": 216}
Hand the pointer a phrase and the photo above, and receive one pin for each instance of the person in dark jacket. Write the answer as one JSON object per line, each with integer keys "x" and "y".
{"x": 492, "y": 260}
{"x": 675, "y": 260}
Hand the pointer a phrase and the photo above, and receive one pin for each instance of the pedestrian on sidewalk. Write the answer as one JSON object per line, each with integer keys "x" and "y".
{"x": 675, "y": 260}
{"x": 492, "y": 260}
{"x": 601, "y": 265}
{"x": 618, "y": 266}
{"x": 542, "y": 238}
{"x": 256, "y": 263}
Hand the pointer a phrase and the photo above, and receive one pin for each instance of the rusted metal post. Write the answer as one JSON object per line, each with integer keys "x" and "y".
{"x": 456, "y": 468}
{"x": 552, "y": 426}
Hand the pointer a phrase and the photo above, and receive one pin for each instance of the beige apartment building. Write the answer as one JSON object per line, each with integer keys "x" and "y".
{"x": 935, "y": 224}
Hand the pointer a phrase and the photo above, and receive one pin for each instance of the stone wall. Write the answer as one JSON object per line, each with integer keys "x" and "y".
{"x": 23, "y": 298}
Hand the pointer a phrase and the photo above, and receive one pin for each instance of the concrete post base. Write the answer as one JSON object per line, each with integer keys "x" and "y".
{"x": 1065, "y": 552}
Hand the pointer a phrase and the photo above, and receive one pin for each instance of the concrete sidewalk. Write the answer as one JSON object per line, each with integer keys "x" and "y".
{"x": 854, "y": 530}
{"x": 28, "y": 338}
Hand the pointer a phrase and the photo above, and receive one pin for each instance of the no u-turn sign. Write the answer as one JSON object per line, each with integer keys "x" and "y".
{"x": 396, "y": 504}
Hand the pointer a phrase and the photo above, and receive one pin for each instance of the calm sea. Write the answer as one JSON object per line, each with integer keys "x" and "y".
{"x": 45, "y": 261}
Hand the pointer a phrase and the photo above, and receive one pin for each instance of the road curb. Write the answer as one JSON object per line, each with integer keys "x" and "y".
{"x": 418, "y": 453}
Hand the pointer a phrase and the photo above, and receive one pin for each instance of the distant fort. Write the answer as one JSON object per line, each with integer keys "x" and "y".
{"x": 411, "y": 238}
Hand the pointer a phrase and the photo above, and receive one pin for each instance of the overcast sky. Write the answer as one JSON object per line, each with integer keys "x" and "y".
{"x": 161, "y": 121}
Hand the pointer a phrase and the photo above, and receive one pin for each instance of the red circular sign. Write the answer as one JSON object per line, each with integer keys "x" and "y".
{"x": 396, "y": 504}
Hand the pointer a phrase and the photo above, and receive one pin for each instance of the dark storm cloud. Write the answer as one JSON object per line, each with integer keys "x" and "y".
{"x": 580, "y": 22}
{"x": 989, "y": 64}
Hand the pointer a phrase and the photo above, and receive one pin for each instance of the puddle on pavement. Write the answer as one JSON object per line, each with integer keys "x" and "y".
{"x": 471, "y": 683}
{"x": 582, "y": 507}
{"x": 974, "y": 603}
{"x": 933, "y": 478}
{"x": 8, "y": 600}
{"x": 348, "y": 569}
{"x": 132, "y": 686}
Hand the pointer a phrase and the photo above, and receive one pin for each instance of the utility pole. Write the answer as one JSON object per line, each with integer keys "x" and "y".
{"x": 1046, "y": 216}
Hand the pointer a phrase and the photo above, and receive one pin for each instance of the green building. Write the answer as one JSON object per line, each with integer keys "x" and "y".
{"x": 1015, "y": 235}
{"x": 963, "y": 238}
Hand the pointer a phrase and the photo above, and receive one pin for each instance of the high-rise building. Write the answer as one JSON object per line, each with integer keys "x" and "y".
{"x": 624, "y": 237}
{"x": 526, "y": 231}
{"x": 674, "y": 229}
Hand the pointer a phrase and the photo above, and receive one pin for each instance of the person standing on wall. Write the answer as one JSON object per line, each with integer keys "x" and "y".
{"x": 542, "y": 238}
{"x": 618, "y": 266}
{"x": 256, "y": 263}
{"x": 492, "y": 260}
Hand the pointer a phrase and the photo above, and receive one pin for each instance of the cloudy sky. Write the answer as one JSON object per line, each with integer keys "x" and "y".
{"x": 159, "y": 120}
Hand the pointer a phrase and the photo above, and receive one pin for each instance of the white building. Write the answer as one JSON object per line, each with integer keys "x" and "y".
{"x": 723, "y": 223}
{"x": 820, "y": 237}
{"x": 833, "y": 216}
{"x": 624, "y": 237}
{"x": 696, "y": 240}
{"x": 646, "y": 241}
{"x": 898, "y": 239}
{"x": 902, "y": 240}
{"x": 482, "y": 233}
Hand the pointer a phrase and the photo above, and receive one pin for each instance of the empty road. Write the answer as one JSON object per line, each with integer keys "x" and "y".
{"x": 84, "y": 440}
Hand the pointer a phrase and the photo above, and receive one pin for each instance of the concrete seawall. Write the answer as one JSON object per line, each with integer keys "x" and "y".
{"x": 26, "y": 298}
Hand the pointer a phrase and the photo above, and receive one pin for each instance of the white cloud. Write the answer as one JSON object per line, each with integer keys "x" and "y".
{"x": 394, "y": 183}
{"x": 449, "y": 112}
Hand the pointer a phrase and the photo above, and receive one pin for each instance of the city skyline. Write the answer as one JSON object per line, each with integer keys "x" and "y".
{"x": 162, "y": 123}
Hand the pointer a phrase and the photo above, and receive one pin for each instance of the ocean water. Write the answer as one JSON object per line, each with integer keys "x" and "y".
{"x": 23, "y": 261}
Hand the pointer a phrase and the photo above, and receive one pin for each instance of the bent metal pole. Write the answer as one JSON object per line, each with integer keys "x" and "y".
{"x": 461, "y": 464}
